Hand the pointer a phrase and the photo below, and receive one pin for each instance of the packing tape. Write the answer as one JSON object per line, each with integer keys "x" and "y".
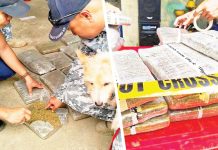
{"x": 200, "y": 112}
{"x": 198, "y": 28}
{"x": 179, "y": 36}
{"x": 191, "y": 85}
{"x": 205, "y": 97}
{"x": 134, "y": 118}
{"x": 132, "y": 130}
{"x": 139, "y": 109}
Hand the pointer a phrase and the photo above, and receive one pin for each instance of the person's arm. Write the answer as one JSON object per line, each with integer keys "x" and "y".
{"x": 207, "y": 9}
{"x": 14, "y": 115}
{"x": 9, "y": 57}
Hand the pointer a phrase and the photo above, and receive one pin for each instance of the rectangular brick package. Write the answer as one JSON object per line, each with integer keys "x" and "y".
{"x": 36, "y": 62}
{"x": 44, "y": 122}
{"x": 131, "y": 103}
{"x": 70, "y": 50}
{"x": 70, "y": 39}
{"x": 53, "y": 79}
{"x": 144, "y": 112}
{"x": 21, "y": 88}
{"x": 204, "y": 42}
{"x": 194, "y": 113}
{"x": 130, "y": 68}
{"x": 170, "y": 35}
{"x": 59, "y": 60}
{"x": 153, "y": 124}
{"x": 191, "y": 100}
{"x": 49, "y": 47}
{"x": 127, "y": 72}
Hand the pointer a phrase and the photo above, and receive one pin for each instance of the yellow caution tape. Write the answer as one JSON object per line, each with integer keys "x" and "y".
{"x": 169, "y": 87}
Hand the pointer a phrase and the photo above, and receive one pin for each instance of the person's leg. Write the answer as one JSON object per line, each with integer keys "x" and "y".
{"x": 5, "y": 71}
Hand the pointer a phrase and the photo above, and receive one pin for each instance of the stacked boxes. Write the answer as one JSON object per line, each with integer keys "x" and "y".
{"x": 175, "y": 61}
{"x": 144, "y": 114}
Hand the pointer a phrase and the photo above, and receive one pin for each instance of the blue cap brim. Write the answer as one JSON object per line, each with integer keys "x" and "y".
{"x": 58, "y": 32}
{"x": 19, "y": 9}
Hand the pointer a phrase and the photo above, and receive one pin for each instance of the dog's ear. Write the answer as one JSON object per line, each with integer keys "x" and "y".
{"x": 82, "y": 57}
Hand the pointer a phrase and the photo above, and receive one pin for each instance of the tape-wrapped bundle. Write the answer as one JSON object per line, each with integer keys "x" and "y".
{"x": 175, "y": 61}
{"x": 144, "y": 112}
{"x": 191, "y": 100}
{"x": 153, "y": 124}
{"x": 165, "y": 64}
{"x": 204, "y": 42}
{"x": 130, "y": 68}
{"x": 131, "y": 103}
{"x": 194, "y": 113}
{"x": 36, "y": 62}
{"x": 170, "y": 35}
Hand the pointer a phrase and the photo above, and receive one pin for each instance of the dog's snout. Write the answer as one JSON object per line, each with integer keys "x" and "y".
{"x": 98, "y": 104}
{"x": 112, "y": 96}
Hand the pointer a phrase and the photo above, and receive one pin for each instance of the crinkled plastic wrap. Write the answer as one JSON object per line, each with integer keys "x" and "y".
{"x": 194, "y": 113}
{"x": 49, "y": 47}
{"x": 21, "y": 88}
{"x": 191, "y": 100}
{"x": 153, "y": 124}
{"x": 45, "y": 122}
{"x": 166, "y": 64}
{"x": 59, "y": 60}
{"x": 170, "y": 35}
{"x": 131, "y": 103}
{"x": 144, "y": 112}
{"x": 36, "y": 62}
{"x": 130, "y": 68}
{"x": 204, "y": 42}
{"x": 174, "y": 61}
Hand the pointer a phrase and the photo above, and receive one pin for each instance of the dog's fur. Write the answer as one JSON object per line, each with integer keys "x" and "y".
{"x": 98, "y": 78}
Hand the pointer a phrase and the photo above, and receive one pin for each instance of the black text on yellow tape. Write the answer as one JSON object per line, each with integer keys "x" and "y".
{"x": 165, "y": 87}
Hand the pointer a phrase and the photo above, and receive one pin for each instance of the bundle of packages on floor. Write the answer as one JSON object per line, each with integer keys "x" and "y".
{"x": 143, "y": 114}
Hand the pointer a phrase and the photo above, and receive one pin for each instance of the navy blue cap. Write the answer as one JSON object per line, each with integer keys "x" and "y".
{"x": 14, "y": 8}
{"x": 61, "y": 13}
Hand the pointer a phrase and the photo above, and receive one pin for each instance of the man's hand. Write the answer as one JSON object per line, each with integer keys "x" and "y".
{"x": 209, "y": 9}
{"x": 31, "y": 83}
{"x": 184, "y": 20}
{"x": 54, "y": 104}
{"x": 15, "y": 115}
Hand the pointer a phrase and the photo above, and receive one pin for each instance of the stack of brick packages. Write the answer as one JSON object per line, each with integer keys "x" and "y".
{"x": 144, "y": 114}
{"x": 175, "y": 61}
{"x": 49, "y": 63}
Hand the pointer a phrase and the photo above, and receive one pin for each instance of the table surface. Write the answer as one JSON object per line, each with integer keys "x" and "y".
{"x": 191, "y": 134}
